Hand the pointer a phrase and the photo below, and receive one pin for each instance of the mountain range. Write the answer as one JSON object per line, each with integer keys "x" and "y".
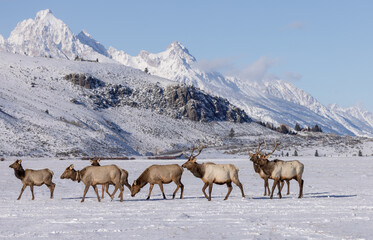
{"x": 277, "y": 102}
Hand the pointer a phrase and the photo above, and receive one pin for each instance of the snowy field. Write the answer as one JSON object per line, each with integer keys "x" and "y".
{"x": 337, "y": 204}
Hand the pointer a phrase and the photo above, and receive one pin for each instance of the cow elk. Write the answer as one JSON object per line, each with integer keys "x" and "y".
{"x": 93, "y": 176}
{"x": 33, "y": 178}
{"x": 159, "y": 174}
{"x": 211, "y": 173}
{"x": 124, "y": 178}
{"x": 279, "y": 170}
{"x": 264, "y": 176}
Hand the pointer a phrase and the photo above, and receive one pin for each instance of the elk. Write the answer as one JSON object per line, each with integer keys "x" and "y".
{"x": 124, "y": 178}
{"x": 159, "y": 174}
{"x": 92, "y": 175}
{"x": 264, "y": 176}
{"x": 279, "y": 170}
{"x": 211, "y": 173}
{"x": 33, "y": 178}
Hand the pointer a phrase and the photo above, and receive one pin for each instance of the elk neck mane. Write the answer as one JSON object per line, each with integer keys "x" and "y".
{"x": 20, "y": 172}
{"x": 198, "y": 170}
{"x": 142, "y": 180}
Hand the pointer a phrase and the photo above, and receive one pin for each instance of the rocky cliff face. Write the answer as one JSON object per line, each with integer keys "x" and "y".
{"x": 176, "y": 101}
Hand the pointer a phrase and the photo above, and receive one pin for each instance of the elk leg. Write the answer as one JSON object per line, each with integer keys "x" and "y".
{"x": 161, "y": 187}
{"x": 210, "y": 190}
{"x": 182, "y": 190}
{"x": 85, "y": 192}
{"x": 121, "y": 193}
{"x": 282, "y": 185}
{"x": 150, "y": 191}
{"x": 96, "y": 190}
{"x": 32, "y": 191}
{"x": 203, "y": 190}
{"x": 239, "y": 184}
{"x": 273, "y": 187}
{"x": 177, "y": 188}
{"x": 51, "y": 188}
{"x": 229, "y": 185}
{"x": 107, "y": 190}
{"x": 103, "y": 190}
{"x": 288, "y": 182}
{"x": 279, "y": 189}
{"x": 266, "y": 186}
{"x": 300, "y": 181}
{"x": 23, "y": 189}
{"x": 115, "y": 190}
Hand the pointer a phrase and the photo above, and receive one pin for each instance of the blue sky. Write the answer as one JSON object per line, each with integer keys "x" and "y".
{"x": 324, "y": 47}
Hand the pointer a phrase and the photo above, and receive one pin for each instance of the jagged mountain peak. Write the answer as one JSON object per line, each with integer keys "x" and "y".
{"x": 43, "y": 14}
{"x": 86, "y": 38}
{"x": 179, "y": 50}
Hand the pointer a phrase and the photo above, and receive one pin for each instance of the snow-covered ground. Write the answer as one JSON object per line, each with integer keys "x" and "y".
{"x": 337, "y": 204}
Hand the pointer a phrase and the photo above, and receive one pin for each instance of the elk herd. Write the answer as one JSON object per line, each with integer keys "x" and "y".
{"x": 95, "y": 174}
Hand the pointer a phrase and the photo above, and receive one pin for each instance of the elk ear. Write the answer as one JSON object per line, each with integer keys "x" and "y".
{"x": 98, "y": 160}
{"x": 193, "y": 160}
{"x": 266, "y": 157}
{"x": 19, "y": 161}
{"x": 71, "y": 167}
{"x": 134, "y": 183}
{"x": 91, "y": 160}
{"x": 251, "y": 154}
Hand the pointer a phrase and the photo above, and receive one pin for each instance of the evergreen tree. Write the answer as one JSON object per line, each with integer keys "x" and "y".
{"x": 295, "y": 153}
{"x": 146, "y": 70}
{"x": 316, "y": 153}
{"x": 360, "y": 153}
{"x": 287, "y": 154}
{"x": 231, "y": 133}
{"x": 297, "y": 127}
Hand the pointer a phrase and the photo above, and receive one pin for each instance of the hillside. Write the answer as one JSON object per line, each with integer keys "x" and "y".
{"x": 277, "y": 102}
{"x": 48, "y": 108}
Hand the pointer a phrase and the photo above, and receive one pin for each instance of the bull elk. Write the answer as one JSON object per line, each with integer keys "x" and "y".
{"x": 92, "y": 176}
{"x": 33, "y": 178}
{"x": 211, "y": 173}
{"x": 280, "y": 170}
{"x": 124, "y": 178}
{"x": 264, "y": 176}
{"x": 159, "y": 174}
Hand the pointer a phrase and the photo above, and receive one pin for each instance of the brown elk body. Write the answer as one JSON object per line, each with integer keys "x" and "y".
{"x": 124, "y": 179}
{"x": 93, "y": 176}
{"x": 159, "y": 174}
{"x": 279, "y": 170}
{"x": 211, "y": 173}
{"x": 265, "y": 177}
{"x": 33, "y": 178}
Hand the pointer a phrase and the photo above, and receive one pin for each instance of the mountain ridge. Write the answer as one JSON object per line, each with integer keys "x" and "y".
{"x": 277, "y": 101}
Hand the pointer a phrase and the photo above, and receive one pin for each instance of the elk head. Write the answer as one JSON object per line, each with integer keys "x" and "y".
{"x": 192, "y": 158}
{"x": 95, "y": 162}
{"x": 135, "y": 188}
{"x": 16, "y": 165}
{"x": 69, "y": 173}
{"x": 259, "y": 157}
{"x": 254, "y": 157}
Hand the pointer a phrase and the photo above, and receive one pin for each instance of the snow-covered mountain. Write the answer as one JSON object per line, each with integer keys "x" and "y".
{"x": 47, "y": 36}
{"x": 278, "y": 102}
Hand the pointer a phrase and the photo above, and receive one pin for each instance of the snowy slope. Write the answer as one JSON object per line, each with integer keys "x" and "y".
{"x": 340, "y": 209}
{"x": 42, "y": 113}
{"x": 276, "y": 102}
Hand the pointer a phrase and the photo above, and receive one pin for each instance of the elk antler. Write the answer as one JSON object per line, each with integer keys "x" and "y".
{"x": 191, "y": 152}
{"x": 274, "y": 149}
{"x": 200, "y": 148}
